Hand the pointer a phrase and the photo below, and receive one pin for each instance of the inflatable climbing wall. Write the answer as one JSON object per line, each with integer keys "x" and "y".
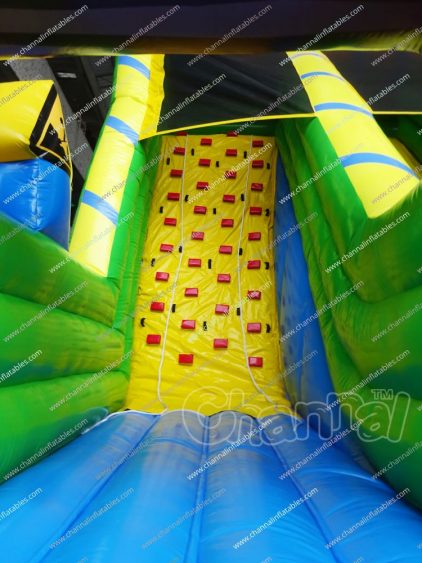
{"x": 206, "y": 332}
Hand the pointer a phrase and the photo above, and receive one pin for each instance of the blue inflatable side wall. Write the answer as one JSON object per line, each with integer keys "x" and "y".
{"x": 307, "y": 380}
{"x": 37, "y": 194}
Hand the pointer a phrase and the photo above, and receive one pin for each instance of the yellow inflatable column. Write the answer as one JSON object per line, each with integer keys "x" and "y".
{"x": 370, "y": 159}
{"x": 135, "y": 109}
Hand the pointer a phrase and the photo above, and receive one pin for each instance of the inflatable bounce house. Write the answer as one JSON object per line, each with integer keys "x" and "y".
{"x": 221, "y": 361}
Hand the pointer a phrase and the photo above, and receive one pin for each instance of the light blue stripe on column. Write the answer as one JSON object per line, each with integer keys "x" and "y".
{"x": 123, "y": 128}
{"x": 321, "y": 73}
{"x": 307, "y": 54}
{"x": 341, "y": 105}
{"x": 98, "y": 203}
{"x": 374, "y": 158}
{"x": 137, "y": 65}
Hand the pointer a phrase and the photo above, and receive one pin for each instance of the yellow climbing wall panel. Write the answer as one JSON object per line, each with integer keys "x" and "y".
{"x": 206, "y": 331}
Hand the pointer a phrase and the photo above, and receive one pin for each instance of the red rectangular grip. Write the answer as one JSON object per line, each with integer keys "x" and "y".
{"x": 153, "y": 339}
{"x": 173, "y": 196}
{"x": 166, "y": 247}
{"x": 186, "y": 359}
{"x": 191, "y": 292}
{"x": 157, "y": 306}
{"x": 162, "y": 276}
{"x": 221, "y": 309}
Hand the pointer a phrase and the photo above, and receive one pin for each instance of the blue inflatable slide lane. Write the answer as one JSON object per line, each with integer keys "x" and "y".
{"x": 157, "y": 478}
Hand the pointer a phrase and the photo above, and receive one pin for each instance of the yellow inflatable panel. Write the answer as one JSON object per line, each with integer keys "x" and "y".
{"x": 31, "y": 123}
{"x": 204, "y": 329}
{"x": 371, "y": 161}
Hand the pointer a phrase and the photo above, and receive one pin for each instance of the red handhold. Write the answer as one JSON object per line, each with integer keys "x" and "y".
{"x": 179, "y": 150}
{"x": 254, "y": 294}
{"x": 257, "y": 143}
{"x": 232, "y": 134}
{"x": 186, "y": 359}
{"x": 255, "y": 210}
{"x": 201, "y": 185}
{"x": 221, "y": 342}
{"x": 170, "y": 221}
{"x": 205, "y": 141}
{"x": 224, "y": 278}
{"x": 257, "y": 187}
{"x": 228, "y": 198}
{"x": 226, "y": 249}
{"x": 162, "y": 276}
{"x": 188, "y": 324}
{"x": 221, "y": 309}
{"x": 254, "y": 236}
{"x": 153, "y": 338}
{"x": 173, "y": 196}
{"x": 157, "y": 306}
{"x": 254, "y": 327}
{"x": 175, "y": 173}
{"x": 231, "y": 152}
{"x": 230, "y": 174}
{"x": 181, "y": 133}
{"x": 200, "y": 209}
{"x": 194, "y": 262}
{"x": 254, "y": 264}
{"x": 257, "y": 164}
{"x": 255, "y": 362}
{"x": 204, "y": 162}
{"x": 166, "y": 247}
{"x": 197, "y": 235}
{"x": 227, "y": 222}
{"x": 191, "y": 292}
